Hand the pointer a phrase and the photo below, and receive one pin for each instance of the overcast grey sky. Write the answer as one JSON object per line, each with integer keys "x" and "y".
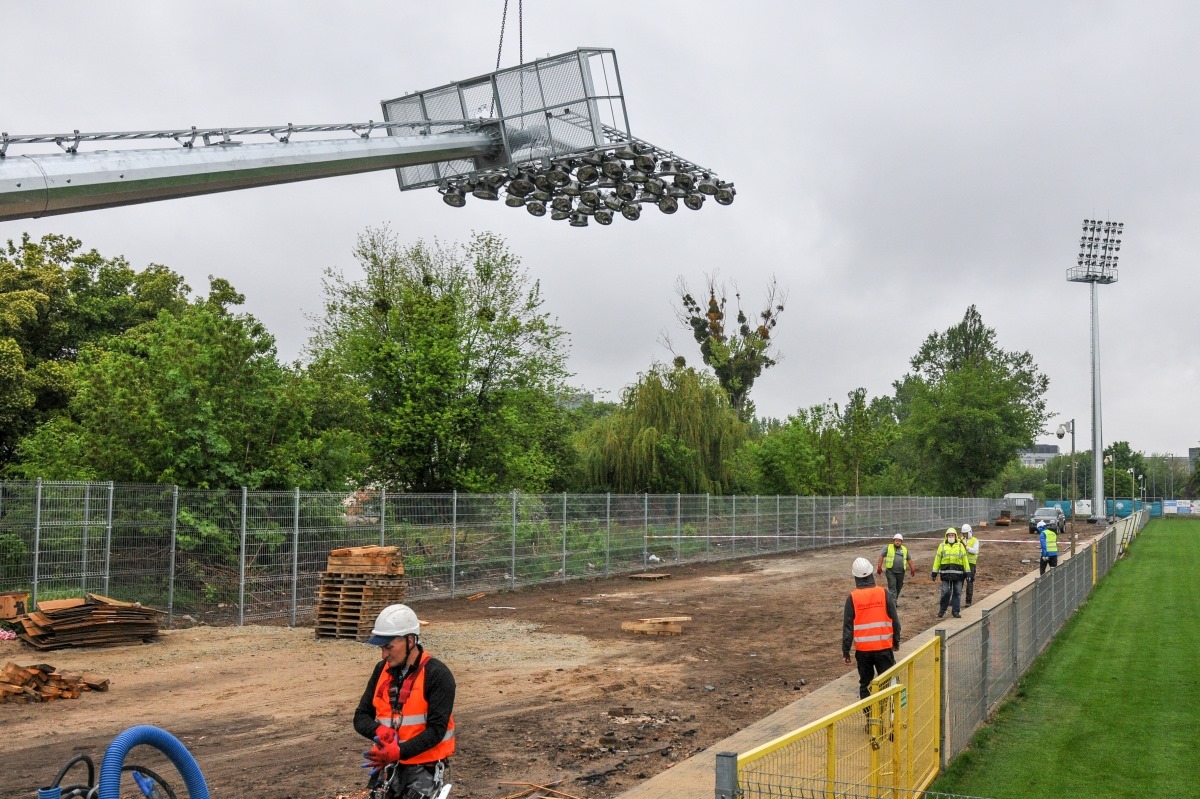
{"x": 895, "y": 163}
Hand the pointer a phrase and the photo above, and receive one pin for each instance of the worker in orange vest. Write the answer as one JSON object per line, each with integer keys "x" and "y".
{"x": 870, "y": 623}
{"x": 407, "y": 710}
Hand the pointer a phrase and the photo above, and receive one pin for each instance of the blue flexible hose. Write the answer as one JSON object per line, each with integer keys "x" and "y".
{"x": 163, "y": 741}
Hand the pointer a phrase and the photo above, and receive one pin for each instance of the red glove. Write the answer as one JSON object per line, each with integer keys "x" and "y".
{"x": 879, "y": 570}
{"x": 383, "y": 753}
{"x": 384, "y": 734}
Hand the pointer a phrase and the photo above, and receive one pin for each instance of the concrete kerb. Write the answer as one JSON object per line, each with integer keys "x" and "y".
{"x": 696, "y": 775}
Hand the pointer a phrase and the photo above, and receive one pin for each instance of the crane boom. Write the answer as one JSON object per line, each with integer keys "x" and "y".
{"x": 37, "y": 185}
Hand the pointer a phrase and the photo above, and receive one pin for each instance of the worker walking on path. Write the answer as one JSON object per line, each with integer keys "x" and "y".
{"x": 870, "y": 623}
{"x": 950, "y": 562}
{"x": 407, "y": 710}
{"x": 1049, "y": 542}
{"x": 893, "y": 560}
{"x": 972, "y": 544}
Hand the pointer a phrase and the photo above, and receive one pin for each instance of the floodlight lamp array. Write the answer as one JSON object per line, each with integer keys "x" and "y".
{"x": 1098, "y": 248}
{"x": 598, "y": 186}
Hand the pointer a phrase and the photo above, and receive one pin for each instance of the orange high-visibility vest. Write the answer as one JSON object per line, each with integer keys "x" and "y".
{"x": 872, "y": 626}
{"x": 411, "y": 722}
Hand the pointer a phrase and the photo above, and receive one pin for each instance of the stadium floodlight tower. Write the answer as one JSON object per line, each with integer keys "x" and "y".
{"x": 1097, "y": 265}
{"x": 543, "y": 131}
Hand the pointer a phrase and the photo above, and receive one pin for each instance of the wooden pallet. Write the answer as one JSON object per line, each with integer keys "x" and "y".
{"x": 662, "y": 625}
{"x": 350, "y": 596}
{"x": 649, "y": 576}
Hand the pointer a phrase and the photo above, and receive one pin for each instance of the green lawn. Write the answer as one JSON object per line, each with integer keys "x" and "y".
{"x": 1112, "y": 708}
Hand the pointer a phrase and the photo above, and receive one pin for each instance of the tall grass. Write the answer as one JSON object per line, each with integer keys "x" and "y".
{"x": 1112, "y": 709}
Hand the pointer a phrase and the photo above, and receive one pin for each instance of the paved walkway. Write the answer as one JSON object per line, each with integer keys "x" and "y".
{"x": 696, "y": 776}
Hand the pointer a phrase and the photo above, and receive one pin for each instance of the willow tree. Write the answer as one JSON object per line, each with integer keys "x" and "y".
{"x": 675, "y": 431}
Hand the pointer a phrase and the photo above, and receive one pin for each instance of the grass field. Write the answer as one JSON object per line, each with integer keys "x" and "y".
{"x": 1112, "y": 708}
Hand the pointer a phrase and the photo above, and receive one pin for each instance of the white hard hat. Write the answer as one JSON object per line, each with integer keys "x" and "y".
{"x": 1041, "y": 524}
{"x": 861, "y": 567}
{"x": 393, "y": 622}
{"x": 897, "y": 537}
{"x": 966, "y": 529}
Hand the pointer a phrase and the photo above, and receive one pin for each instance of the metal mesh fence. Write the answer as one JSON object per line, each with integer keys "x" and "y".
{"x": 236, "y": 556}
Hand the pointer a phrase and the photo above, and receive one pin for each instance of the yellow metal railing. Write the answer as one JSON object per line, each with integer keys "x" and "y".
{"x": 920, "y": 673}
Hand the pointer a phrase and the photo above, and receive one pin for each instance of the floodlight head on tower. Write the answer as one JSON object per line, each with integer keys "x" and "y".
{"x": 1098, "y": 248}
{"x": 559, "y": 123}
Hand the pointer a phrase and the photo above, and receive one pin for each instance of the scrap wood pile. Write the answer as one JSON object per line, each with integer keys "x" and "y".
{"x": 20, "y": 685}
{"x": 357, "y": 583}
{"x": 92, "y": 621}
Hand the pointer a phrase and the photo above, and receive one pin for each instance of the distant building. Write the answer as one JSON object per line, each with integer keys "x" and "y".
{"x": 1193, "y": 456}
{"x": 1040, "y": 455}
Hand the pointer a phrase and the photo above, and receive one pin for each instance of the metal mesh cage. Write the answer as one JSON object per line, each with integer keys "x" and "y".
{"x": 568, "y": 104}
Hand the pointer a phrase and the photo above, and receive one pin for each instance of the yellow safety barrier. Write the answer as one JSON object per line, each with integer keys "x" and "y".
{"x": 920, "y": 673}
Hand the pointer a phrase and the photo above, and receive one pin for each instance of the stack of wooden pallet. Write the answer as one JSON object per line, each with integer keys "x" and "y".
{"x": 357, "y": 583}
{"x": 92, "y": 621}
{"x": 21, "y": 685}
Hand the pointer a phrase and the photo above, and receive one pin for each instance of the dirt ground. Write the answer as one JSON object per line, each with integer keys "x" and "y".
{"x": 549, "y": 686}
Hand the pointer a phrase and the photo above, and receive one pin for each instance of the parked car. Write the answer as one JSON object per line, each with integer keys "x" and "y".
{"x": 1052, "y": 516}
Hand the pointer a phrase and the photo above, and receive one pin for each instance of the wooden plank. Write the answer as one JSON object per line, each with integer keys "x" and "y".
{"x": 660, "y": 619}
{"x": 649, "y": 576}
{"x": 652, "y": 628}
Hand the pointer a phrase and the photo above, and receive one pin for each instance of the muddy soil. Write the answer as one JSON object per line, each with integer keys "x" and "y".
{"x": 549, "y": 686}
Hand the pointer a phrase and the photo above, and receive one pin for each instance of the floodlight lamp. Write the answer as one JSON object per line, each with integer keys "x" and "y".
{"x": 541, "y": 195}
{"x": 685, "y": 180}
{"x": 559, "y": 216}
{"x": 625, "y": 153}
{"x": 725, "y": 193}
{"x": 572, "y": 189}
{"x": 613, "y": 202}
{"x": 694, "y": 201}
{"x": 542, "y": 181}
{"x": 561, "y": 203}
{"x": 496, "y": 179}
{"x": 626, "y": 191}
{"x": 589, "y": 198}
{"x": 636, "y": 176}
{"x": 668, "y": 204}
{"x": 483, "y": 191}
{"x": 655, "y": 186}
{"x": 645, "y": 161}
{"x": 589, "y": 171}
{"x": 706, "y": 184}
{"x": 522, "y": 184}
{"x": 631, "y": 211}
{"x": 559, "y": 175}
{"x": 579, "y": 220}
{"x": 536, "y": 207}
{"x": 667, "y": 169}
{"x": 514, "y": 200}
{"x": 603, "y": 216}
{"x": 613, "y": 167}
{"x": 455, "y": 197}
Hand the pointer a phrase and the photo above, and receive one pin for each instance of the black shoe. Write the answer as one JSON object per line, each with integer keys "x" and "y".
{"x": 941, "y": 614}
{"x": 957, "y": 615}
{"x": 968, "y": 603}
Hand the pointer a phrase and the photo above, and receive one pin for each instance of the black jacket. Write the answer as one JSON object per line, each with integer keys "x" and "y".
{"x": 848, "y": 616}
{"x": 439, "y": 693}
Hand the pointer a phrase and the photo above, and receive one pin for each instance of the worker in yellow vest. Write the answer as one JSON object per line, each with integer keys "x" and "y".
{"x": 869, "y": 623}
{"x": 950, "y": 563}
{"x": 893, "y": 561}
{"x": 1048, "y": 538}
{"x": 972, "y": 544}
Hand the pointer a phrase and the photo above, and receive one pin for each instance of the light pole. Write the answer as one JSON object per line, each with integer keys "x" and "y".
{"x": 1132, "y": 491}
{"x": 1142, "y": 487}
{"x": 1063, "y": 429}
{"x": 1096, "y": 264}
{"x": 1108, "y": 459}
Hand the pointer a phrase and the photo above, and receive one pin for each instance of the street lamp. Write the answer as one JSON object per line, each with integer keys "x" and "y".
{"x": 1132, "y": 489}
{"x": 1108, "y": 459}
{"x": 1063, "y": 429}
{"x": 1142, "y": 488}
{"x": 1097, "y": 264}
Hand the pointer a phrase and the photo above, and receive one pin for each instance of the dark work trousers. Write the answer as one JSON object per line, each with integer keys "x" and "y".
{"x": 951, "y": 594}
{"x": 971, "y": 584}
{"x": 895, "y": 582}
{"x": 1052, "y": 560}
{"x": 871, "y": 664}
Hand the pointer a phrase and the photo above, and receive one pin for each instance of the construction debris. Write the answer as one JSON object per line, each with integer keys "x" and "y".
{"x": 649, "y": 576}
{"x": 663, "y": 625}
{"x": 20, "y": 685}
{"x": 13, "y": 604}
{"x": 94, "y": 620}
{"x": 358, "y": 583}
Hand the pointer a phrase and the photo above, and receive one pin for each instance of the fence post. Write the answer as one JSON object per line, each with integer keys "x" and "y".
{"x": 564, "y": 539}
{"x": 707, "y": 527}
{"x": 796, "y": 526}
{"x": 733, "y": 530}
{"x": 87, "y": 496}
{"x": 108, "y": 539}
{"x": 757, "y": 528}
{"x": 645, "y": 531}
{"x": 514, "y": 538}
{"x": 382, "y": 514}
{"x": 242, "y": 565}
{"x": 171, "y": 556}
{"x": 944, "y": 709}
{"x": 986, "y": 651}
{"x": 37, "y": 538}
{"x": 678, "y": 527}
{"x": 607, "y": 533}
{"x": 1016, "y": 643}
{"x": 727, "y": 787}
{"x": 454, "y": 544}
{"x": 295, "y": 553}
{"x": 777, "y": 541}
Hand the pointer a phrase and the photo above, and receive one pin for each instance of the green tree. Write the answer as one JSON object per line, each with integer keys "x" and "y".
{"x": 674, "y": 432}
{"x": 462, "y": 370}
{"x": 54, "y": 301}
{"x": 737, "y": 356}
{"x": 968, "y": 407}
{"x": 197, "y": 398}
